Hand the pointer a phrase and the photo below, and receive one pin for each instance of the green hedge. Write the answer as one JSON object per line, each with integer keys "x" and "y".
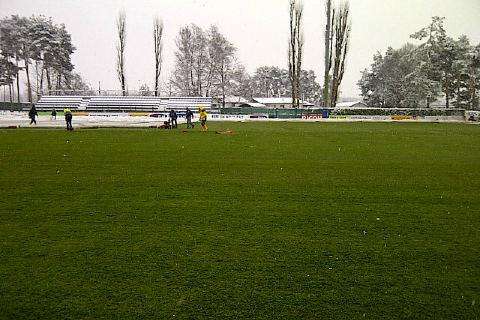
{"x": 400, "y": 112}
{"x": 297, "y": 113}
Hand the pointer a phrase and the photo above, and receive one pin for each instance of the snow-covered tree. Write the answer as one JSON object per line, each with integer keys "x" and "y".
{"x": 295, "y": 50}
{"x": 206, "y": 64}
{"x": 158, "y": 47}
{"x": 337, "y": 42}
{"x": 120, "y": 50}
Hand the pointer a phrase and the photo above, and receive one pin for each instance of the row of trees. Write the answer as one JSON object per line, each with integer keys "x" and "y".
{"x": 206, "y": 63}
{"x": 36, "y": 43}
{"x": 121, "y": 26}
{"x": 418, "y": 75}
{"x": 337, "y": 40}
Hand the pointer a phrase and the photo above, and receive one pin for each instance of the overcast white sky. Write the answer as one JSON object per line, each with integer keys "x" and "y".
{"x": 258, "y": 28}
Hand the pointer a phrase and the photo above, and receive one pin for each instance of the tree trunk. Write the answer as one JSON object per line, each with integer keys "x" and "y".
{"x": 49, "y": 82}
{"x": 472, "y": 90}
{"x": 18, "y": 88}
{"x": 41, "y": 81}
{"x": 18, "y": 83}
{"x": 447, "y": 94}
{"x": 59, "y": 81}
{"x": 29, "y": 85}
{"x": 223, "y": 90}
{"x": 13, "y": 92}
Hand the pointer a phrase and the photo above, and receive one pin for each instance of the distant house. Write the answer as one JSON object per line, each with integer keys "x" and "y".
{"x": 252, "y": 105}
{"x": 351, "y": 105}
{"x": 277, "y": 103}
{"x": 308, "y": 105}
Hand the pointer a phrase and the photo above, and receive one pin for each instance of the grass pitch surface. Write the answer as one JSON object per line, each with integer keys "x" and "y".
{"x": 281, "y": 220}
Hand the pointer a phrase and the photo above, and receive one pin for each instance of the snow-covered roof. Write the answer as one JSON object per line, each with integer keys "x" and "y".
{"x": 354, "y": 104}
{"x": 274, "y": 100}
{"x": 255, "y": 104}
{"x": 233, "y": 99}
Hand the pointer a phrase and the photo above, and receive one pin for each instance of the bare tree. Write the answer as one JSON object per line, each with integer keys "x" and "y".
{"x": 342, "y": 40}
{"x": 221, "y": 54}
{"x": 295, "y": 50}
{"x": 158, "y": 46}
{"x": 121, "y": 32}
{"x": 205, "y": 62}
{"x": 183, "y": 78}
{"x": 337, "y": 38}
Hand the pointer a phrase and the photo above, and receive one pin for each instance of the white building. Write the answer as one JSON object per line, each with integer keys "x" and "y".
{"x": 351, "y": 105}
{"x": 230, "y": 102}
{"x": 277, "y": 103}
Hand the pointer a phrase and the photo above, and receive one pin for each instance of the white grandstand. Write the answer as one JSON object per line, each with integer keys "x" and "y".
{"x": 122, "y": 104}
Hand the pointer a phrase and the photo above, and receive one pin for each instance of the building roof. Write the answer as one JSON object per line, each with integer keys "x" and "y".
{"x": 233, "y": 99}
{"x": 351, "y": 104}
{"x": 274, "y": 100}
{"x": 253, "y": 105}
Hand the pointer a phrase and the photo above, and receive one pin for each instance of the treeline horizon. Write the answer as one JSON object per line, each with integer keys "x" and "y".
{"x": 206, "y": 64}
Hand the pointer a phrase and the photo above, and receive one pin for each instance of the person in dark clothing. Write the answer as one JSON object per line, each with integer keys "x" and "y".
{"x": 173, "y": 119}
{"x": 54, "y": 114}
{"x": 68, "y": 119}
{"x": 189, "y": 116}
{"x": 32, "y": 114}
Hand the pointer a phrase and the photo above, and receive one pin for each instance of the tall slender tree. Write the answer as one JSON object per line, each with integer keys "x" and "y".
{"x": 295, "y": 50}
{"x": 328, "y": 49}
{"x": 158, "y": 46}
{"x": 342, "y": 43}
{"x": 121, "y": 33}
{"x": 337, "y": 39}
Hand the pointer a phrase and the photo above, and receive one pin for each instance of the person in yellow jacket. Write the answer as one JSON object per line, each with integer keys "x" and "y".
{"x": 68, "y": 118}
{"x": 203, "y": 119}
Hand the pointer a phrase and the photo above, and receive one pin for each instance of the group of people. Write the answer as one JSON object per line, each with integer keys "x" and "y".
{"x": 189, "y": 116}
{"x": 33, "y": 114}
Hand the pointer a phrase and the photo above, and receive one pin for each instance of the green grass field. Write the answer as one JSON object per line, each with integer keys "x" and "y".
{"x": 280, "y": 221}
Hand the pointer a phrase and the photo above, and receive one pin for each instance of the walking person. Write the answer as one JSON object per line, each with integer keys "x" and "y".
{"x": 32, "y": 114}
{"x": 203, "y": 119}
{"x": 68, "y": 118}
{"x": 189, "y": 116}
{"x": 173, "y": 119}
{"x": 54, "y": 114}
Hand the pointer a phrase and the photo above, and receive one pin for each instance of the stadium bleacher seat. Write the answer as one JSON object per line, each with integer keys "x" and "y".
{"x": 122, "y": 103}
{"x": 48, "y": 103}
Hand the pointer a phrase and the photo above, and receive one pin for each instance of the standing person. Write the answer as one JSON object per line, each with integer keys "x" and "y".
{"x": 32, "y": 114}
{"x": 54, "y": 114}
{"x": 203, "y": 119}
{"x": 189, "y": 116}
{"x": 68, "y": 118}
{"x": 173, "y": 119}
